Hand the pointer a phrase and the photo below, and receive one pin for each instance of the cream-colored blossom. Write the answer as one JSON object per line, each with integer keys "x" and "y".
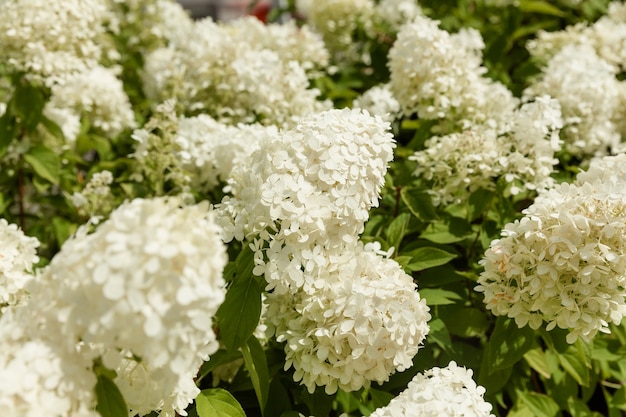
{"x": 438, "y": 75}
{"x": 379, "y": 101}
{"x": 18, "y": 254}
{"x": 439, "y": 392}
{"x": 564, "y": 262}
{"x": 366, "y": 324}
{"x": 51, "y": 40}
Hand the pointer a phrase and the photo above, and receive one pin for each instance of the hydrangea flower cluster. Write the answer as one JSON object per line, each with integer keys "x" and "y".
{"x": 458, "y": 164}
{"x": 220, "y": 74}
{"x": 97, "y": 95}
{"x": 564, "y": 262}
{"x": 143, "y": 287}
{"x": 607, "y": 36}
{"x": 17, "y": 256}
{"x": 367, "y": 322}
{"x": 439, "y": 392}
{"x": 347, "y": 314}
{"x": 50, "y": 41}
{"x": 149, "y": 24}
{"x": 208, "y": 149}
{"x": 39, "y": 378}
{"x": 396, "y": 13}
{"x": 336, "y": 20}
{"x": 95, "y": 198}
{"x": 588, "y": 92}
{"x": 438, "y": 75}
{"x": 379, "y": 101}
{"x": 290, "y": 42}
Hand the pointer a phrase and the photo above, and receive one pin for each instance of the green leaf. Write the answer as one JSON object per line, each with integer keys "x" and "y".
{"x": 7, "y": 132}
{"x": 396, "y": 230}
{"x": 110, "y": 400}
{"x": 438, "y": 296}
{"x": 541, "y": 405}
{"x": 478, "y": 202}
{"x": 508, "y": 343}
{"x": 439, "y": 334}
{"x": 451, "y": 230}
{"x": 27, "y": 104}
{"x": 52, "y": 127}
{"x": 429, "y": 257}
{"x": 537, "y": 360}
{"x": 465, "y": 321}
{"x": 220, "y": 357}
{"x": 419, "y": 203}
{"x": 217, "y": 402}
{"x": 256, "y": 364}
{"x": 576, "y": 361}
{"x": 541, "y": 7}
{"x": 45, "y": 163}
{"x": 239, "y": 314}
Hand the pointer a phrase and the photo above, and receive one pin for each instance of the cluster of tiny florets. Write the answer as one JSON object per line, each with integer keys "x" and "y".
{"x": 439, "y": 392}
{"x": 18, "y": 254}
{"x": 564, "y": 262}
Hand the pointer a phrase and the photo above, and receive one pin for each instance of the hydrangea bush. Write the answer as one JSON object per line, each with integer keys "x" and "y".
{"x": 358, "y": 208}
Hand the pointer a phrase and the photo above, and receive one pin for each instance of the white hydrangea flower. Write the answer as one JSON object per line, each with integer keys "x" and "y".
{"x": 607, "y": 36}
{"x": 564, "y": 262}
{"x": 98, "y": 95}
{"x": 438, "y": 75}
{"x": 439, "y": 392}
{"x": 380, "y": 101}
{"x": 363, "y": 327}
{"x": 231, "y": 79}
{"x": 67, "y": 119}
{"x": 312, "y": 185}
{"x": 458, "y": 164}
{"x": 95, "y": 198}
{"x": 18, "y": 253}
{"x": 290, "y": 42}
{"x": 397, "y": 12}
{"x": 209, "y": 149}
{"x": 42, "y": 378}
{"x": 336, "y": 20}
{"x": 148, "y": 281}
{"x": 587, "y": 90}
{"x": 51, "y": 40}
{"x": 149, "y": 24}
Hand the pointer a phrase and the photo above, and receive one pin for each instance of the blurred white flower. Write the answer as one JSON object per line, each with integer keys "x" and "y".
{"x": 51, "y": 40}
{"x": 438, "y": 75}
{"x": 96, "y": 94}
{"x": 587, "y": 90}
{"x": 397, "y": 12}
{"x": 379, "y": 101}
{"x": 146, "y": 282}
{"x": 439, "y": 392}
{"x": 18, "y": 253}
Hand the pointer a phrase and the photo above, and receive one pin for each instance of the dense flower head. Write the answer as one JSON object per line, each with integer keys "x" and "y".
{"x": 564, "y": 262}
{"x": 318, "y": 179}
{"x": 396, "y": 13}
{"x": 365, "y": 326}
{"x": 588, "y": 92}
{"x": 458, "y": 164}
{"x": 18, "y": 254}
{"x": 95, "y": 199}
{"x": 336, "y": 20}
{"x": 235, "y": 81}
{"x": 39, "y": 377}
{"x": 439, "y": 392}
{"x": 51, "y": 40}
{"x": 209, "y": 149}
{"x": 289, "y": 41}
{"x": 379, "y": 101}
{"x": 146, "y": 282}
{"x": 149, "y": 24}
{"x": 97, "y": 95}
{"x": 438, "y": 75}
{"x": 607, "y": 36}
